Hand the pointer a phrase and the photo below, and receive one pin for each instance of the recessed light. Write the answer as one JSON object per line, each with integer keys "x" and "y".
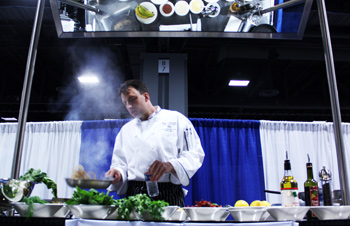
{"x": 238, "y": 82}
{"x": 9, "y": 119}
{"x": 88, "y": 79}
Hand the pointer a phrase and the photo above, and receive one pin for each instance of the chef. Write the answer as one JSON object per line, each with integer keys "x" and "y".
{"x": 159, "y": 142}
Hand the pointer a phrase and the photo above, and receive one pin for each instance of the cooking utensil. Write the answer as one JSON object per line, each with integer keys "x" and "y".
{"x": 88, "y": 183}
{"x": 14, "y": 190}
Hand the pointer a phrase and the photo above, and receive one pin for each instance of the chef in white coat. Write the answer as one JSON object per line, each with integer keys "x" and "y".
{"x": 157, "y": 141}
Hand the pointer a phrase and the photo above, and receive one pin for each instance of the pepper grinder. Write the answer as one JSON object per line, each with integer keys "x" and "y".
{"x": 325, "y": 178}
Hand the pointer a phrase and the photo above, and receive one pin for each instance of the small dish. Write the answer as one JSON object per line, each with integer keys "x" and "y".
{"x": 196, "y": 6}
{"x": 212, "y": 6}
{"x": 207, "y": 213}
{"x": 331, "y": 212}
{"x": 243, "y": 214}
{"x": 182, "y": 8}
{"x": 179, "y": 215}
{"x": 288, "y": 213}
{"x": 167, "y": 9}
{"x": 151, "y": 7}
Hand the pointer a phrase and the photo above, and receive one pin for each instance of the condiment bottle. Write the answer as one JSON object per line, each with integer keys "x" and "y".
{"x": 311, "y": 190}
{"x": 152, "y": 187}
{"x": 325, "y": 178}
{"x": 289, "y": 187}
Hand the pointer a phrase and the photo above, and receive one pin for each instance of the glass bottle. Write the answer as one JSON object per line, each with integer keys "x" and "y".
{"x": 289, "y": 186}
{"x": 152, "y": 187}
{"x": 311, "y": 190}
{"x": 326, "y": 178}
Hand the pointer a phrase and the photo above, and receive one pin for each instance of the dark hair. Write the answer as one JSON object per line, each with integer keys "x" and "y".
{"x": 135, "y": 83}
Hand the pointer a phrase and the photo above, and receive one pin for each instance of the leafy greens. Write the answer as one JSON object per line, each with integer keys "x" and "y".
{"x": 35, "y": 175}
{"x": 92, "y": 197}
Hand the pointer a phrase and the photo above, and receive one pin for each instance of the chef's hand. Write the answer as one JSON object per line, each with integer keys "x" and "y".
{"x": 115, "y": 174}
{"x": 158, "y": 169}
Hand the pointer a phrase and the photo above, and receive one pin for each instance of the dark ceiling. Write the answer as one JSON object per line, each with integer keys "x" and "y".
{"x": 294, "y": 68}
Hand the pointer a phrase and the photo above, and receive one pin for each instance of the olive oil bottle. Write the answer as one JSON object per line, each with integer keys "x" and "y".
{"x": 311, "y": 190}
{"x": 289, "y": 186}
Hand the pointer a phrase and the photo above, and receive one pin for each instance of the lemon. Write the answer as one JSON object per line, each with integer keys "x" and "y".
{"x": 256, "y": 203}
{"x": 241, "y": 203}
{"x": 265, "y": 203}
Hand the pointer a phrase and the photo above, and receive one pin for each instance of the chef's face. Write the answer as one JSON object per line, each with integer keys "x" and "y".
{"x": 135, "y": 102}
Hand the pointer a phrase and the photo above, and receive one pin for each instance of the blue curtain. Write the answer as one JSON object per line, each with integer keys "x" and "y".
{"x": 232, "y": 167}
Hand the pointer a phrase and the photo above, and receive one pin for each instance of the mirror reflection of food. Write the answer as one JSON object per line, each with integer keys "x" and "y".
{"x": 122, "y": 24}
{"x": 80, "y": 173}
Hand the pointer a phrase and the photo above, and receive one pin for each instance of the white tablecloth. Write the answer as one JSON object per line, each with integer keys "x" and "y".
{"x": 86, "y": 222}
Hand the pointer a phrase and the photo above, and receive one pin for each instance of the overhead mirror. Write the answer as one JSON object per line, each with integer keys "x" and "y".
{"x": 267, "y": 19}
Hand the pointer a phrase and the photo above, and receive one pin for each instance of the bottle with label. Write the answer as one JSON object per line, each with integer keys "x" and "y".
{"x": 289, "y": 187}
{"x": 152, "y": 187}
{"x": 325, "y": 178}
{"x": 311, "y": 190}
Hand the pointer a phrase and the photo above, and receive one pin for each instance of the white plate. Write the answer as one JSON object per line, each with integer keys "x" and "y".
{"x": 207, "y": 213}
{"x": 280, "y": 213}
{"x": 159, "y": 2}
{"x": 214, "y": 5}
{"x": 182, "y": 8}
{"x": 200, "y": 4}
{"x": 92, "y": 211}
{"x": 151, "y": 7}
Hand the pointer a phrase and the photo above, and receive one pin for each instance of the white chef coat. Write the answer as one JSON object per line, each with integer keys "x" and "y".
{"x": 167, "y": 136}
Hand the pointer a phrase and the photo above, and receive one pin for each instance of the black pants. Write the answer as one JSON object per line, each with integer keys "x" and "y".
{"x": 168, "y": 192}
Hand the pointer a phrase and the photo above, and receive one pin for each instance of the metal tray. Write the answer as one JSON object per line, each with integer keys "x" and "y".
{"x": 88, "y": 183}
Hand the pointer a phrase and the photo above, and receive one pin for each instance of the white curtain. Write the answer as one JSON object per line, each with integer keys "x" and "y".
{"x": 299, "y": 139}
{"x": 52, "y": 147}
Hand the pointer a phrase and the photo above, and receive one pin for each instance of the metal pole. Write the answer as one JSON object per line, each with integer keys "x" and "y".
{"x": 27, "y": 85}
{"x": 333, "y": 91}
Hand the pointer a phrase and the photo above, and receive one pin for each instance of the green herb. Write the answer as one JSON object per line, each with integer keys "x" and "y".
{"x": 140, "y": 203}
{"x": 30, "y": 202}
{"x": 35, "y": 175}
{"x": 91, "y": 197}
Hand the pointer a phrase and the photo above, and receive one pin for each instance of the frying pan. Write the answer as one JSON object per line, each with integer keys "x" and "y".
{"x": 111, "y": 16}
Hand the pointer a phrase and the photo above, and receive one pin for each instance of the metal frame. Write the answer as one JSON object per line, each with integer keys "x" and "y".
{"x": 181, "y": 34}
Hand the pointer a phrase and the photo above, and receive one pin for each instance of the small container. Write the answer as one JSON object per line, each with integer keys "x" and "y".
{"x": 167, "y": 9}
{"x": 152, "y": 187}
{"x": 196, "y": 6}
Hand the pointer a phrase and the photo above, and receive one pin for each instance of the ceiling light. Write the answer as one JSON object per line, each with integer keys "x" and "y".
{"x": 238, "y": 82}
{"x": 88, "y": 79}
{"x": 9, "y": 119}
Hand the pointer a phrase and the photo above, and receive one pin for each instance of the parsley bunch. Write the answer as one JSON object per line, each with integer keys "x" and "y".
{"x": 30, "y": 202}
{"x": 140, "y": 203}
{"x": 91, "y": 197}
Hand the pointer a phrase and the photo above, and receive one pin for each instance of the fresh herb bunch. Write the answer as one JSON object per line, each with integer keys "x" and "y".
{"x": 35, "y": 175}
{"x": 30, "y": 202}
{"x": 91, "y": 197}
{"x": 140, "y": 203}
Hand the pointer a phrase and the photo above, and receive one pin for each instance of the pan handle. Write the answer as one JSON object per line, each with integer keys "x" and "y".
{"x": 273, "y": 192}
{"x": 282, "y": 5}
{"x": 82, "y": 6}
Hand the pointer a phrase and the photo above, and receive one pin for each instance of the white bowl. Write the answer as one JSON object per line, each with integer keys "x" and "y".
{"x": 167, "y": 4}
{"x": 182, "y": 8}
{"x": 92, "y": 211}
{"x": 280, "y": 213}
{"x": 207, "y": 213}
{"x": 331, "y": 212}
{"x": 42, "y": 210}
{"x": 196, "y": 6}
{"x": 247, "y": 213}
{"x": 179, "y": 215}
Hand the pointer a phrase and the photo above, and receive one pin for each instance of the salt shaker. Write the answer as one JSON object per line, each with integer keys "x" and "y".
{"x": 325, "y": 178}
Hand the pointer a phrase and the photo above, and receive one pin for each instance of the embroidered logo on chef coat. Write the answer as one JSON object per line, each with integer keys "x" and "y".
{"x": 169, "y": 127}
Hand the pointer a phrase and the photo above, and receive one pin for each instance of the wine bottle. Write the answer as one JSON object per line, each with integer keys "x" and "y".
{"x": 289, "y": 186}
{"x": 311, "y": 190}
